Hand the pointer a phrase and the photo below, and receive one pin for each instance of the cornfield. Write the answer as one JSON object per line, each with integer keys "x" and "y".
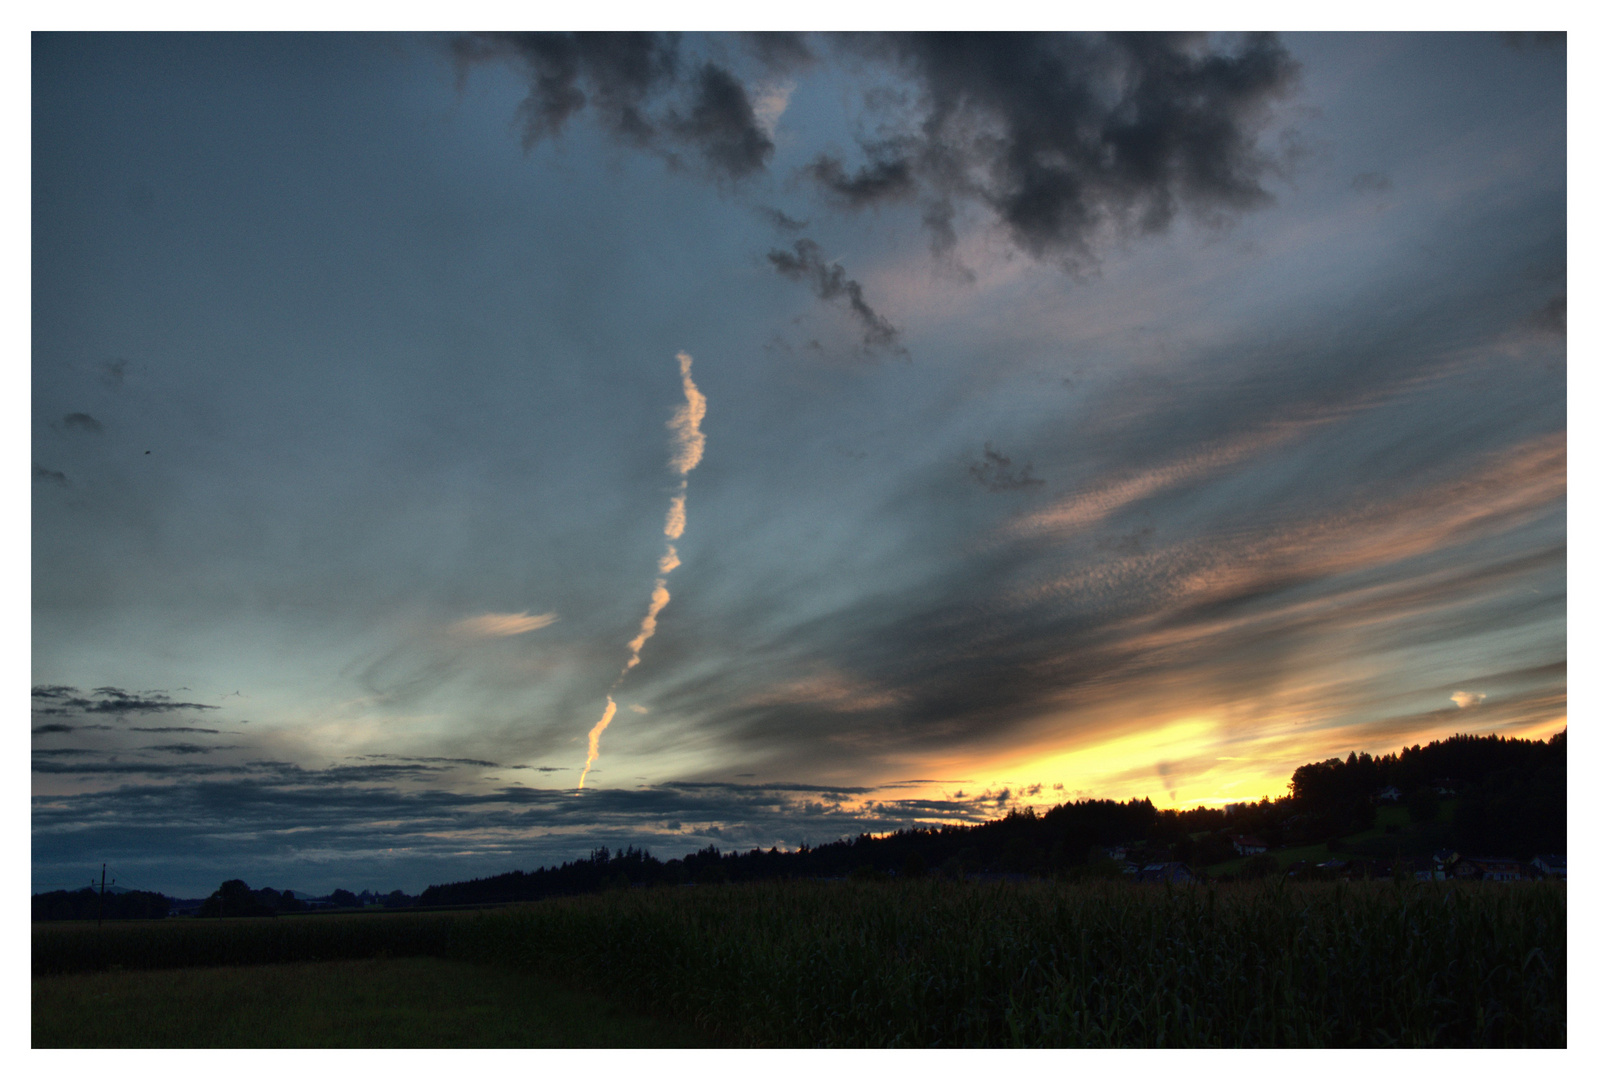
{"x": 936, "y": 963}
{"x": 1112, "y": 964}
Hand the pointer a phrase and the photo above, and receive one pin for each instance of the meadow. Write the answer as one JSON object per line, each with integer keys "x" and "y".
{"x": 941, "y": 963}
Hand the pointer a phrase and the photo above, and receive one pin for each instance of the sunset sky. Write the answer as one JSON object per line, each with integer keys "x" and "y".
{"x": 1080, "y": 417}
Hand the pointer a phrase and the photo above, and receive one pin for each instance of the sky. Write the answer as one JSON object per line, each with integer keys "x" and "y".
{"x": 453, "y": 453}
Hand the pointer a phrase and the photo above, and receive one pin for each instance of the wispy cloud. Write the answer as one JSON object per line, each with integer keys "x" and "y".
{"x": 494, "y": 625}
{"x": 807, "y": 263}
{"x": 996, "y": 472}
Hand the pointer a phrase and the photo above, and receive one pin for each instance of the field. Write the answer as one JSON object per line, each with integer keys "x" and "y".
{"x": 410, "y": 1002}
{"x": 931, "y": 963}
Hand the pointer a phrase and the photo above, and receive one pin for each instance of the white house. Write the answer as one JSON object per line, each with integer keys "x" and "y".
{"x": 1550, "y": 865}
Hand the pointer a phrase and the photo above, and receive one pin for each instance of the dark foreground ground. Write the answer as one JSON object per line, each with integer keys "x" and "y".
{"x": 807, "y": 963}
{"x": 409, "y": 1002}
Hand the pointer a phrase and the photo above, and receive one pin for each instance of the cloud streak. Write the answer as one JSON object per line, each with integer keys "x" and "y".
{"x": 106, "y": 700}
{"x": 830, "y": 281}
{"x": 493, "y": 625}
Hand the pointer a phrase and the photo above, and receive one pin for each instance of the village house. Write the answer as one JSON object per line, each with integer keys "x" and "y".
{"x": 1415, "y": 870}
{"x": 1550, "y": 866}
{"x": 1248, "y": 845}
{"x": 1488, "y": 868}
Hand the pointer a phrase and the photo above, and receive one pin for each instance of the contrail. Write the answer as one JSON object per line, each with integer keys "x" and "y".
{"x": 690, "y": 447}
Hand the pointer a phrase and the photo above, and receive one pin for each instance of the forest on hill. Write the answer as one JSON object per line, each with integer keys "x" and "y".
{"x": 1508, "y": 799}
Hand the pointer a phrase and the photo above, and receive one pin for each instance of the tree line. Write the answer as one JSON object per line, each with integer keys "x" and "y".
{"x": 1510, "y": 800}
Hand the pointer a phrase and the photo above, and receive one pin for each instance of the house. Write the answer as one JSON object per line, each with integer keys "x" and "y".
{"x": 1550, "y": 866}
{"x": 1171, "y": 872}
{"x": 1416, "y": 870}
{"x": 1488, "y": 868}
{"x": 1248, "y": 845}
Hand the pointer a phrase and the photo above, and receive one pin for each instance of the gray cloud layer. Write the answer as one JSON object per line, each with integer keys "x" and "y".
{"x": 273, "y": 821}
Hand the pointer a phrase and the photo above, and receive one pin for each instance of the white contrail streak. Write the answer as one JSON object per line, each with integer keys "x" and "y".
{"x": 690, "y": 447}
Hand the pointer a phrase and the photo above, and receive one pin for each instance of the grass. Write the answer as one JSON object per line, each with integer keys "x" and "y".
{"x": 407, "y": 1002}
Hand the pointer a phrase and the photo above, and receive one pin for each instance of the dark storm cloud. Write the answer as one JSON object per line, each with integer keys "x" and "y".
{"x": 185, "y": 748}
{"x": 107, "y": 699}
{"x": 49, "y": 476}
{"x": 616, "y": 73}
{"x": 1065, "y": 137}
{"x": 624, "y": 77}
{"x": 996, "y": 472}
{"x": 113, "y": 372}
{"x": 81, "y": 421}
{"x": 721, "y": 124}
{"x": 830, "y": 281}
{"x": 53, "y": 729}
{"x": 1068, "y": 137}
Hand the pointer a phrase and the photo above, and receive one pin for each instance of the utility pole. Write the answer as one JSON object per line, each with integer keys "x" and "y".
{"x": 99, "y": 914}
